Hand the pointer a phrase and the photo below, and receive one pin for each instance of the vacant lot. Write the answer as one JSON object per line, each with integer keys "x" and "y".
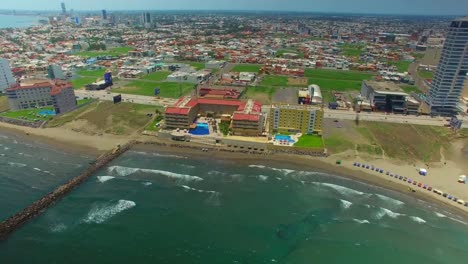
{"x": 157, "y": 76}
{"x": 247, "y": 68}
{"x": 92, "y": 73}
{"x": 106, "y": 117}
{"x": 432, "y": 56}
{"x": 400, "y": 141}
{"x": 263, "y": 94}
{"x": 168, "y": 89}
{"x": 273, "y": 80}
{"x": 426, "y": 74}
{"x": 285, "y": 95}
{"x": 333, "y": 80}
{"x": 402, "y": 66}
{"x": 112, "y": 52}
{"x": 352, "y": 50}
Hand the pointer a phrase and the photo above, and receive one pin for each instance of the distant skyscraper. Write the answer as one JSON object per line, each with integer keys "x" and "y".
{"x": 146, "y": 18}
{"x": 64, "y": 10}
{"x": 104, "y": 14}
{"x": 452, "y": 71}
{"x": 6, "y": 76}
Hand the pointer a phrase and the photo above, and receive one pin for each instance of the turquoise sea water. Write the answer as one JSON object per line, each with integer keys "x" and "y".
{"x": 157, "y": 208}
{"x": 10, "y": 21}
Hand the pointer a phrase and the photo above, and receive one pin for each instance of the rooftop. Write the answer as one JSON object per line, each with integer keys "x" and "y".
{"x": 385, "y": 87}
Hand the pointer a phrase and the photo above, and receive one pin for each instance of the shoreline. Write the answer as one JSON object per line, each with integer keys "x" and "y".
{"x": 74, "y": 142}
{"x": 326, "y": 165}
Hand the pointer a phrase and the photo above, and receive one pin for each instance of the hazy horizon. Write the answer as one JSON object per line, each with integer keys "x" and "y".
{"x": 396, "y": 7}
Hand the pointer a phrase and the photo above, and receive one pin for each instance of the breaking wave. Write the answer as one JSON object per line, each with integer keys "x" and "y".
{"x": 217, "y": 173}
{"x": 17, "y": 165}
{"x": 147, "y": 183}
{"x": 361, "y": 221}
{"x": 158, "y": 154}
{"x": 188, "y": 188}
{"x": 390, "y": 200}
{"x": 103, "y": 179}
{"x": 285, "y": 171}
{"x": 345, "y": 204}
{"x": 385, "y": 212}
{"x": 58, "y": 228}
{"x": 125, "y": 171}
{"x": 262, "y": 177}
{"x": 440, "y": 215}
{"x": 100, "y": 214}
{"x": 418, "y": 220}
{"x": 341, "y": 189}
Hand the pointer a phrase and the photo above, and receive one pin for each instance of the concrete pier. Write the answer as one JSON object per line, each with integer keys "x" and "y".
{"x": 19, "y": 219}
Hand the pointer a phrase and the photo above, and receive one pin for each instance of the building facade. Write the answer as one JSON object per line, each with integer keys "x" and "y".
{"x": 385, "y": 96}
{"x": 303, "y": 119}
{"x": 55, "y": 72}
{"x": 6, "y": 75}
{"x": 447, "y": 84}
{"x": 58, "y": 94}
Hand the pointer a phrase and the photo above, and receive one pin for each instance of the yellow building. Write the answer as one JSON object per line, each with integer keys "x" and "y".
{"x": 303, "y": 119}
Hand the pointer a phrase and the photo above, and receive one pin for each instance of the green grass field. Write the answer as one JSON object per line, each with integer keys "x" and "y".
{"x": 81, "y": 82}
{"x": 281, "y": 52}
{"x": 112, "y": 52}
{"x": 402, "y": 66}
{"x": 28, "y": 114}
{"x": 273, "y": 80}
{"x": 335, "y": 80}
{"x": 157, "y": 76}
{"x": 263, "y": 94}
{"x": 168, "y": 89}
{"x": 336, "y": 143}
{"x": 426, "y": 74}
{"x": 410, "y": 89}
{"x": 92, "y": 73}
{"x": 352, "y": 50}
{"x": 247, "y": 68}
{"x": 197, "y": 65}
{"x": 83, "y": 101}
{"x": 310, "y": 141}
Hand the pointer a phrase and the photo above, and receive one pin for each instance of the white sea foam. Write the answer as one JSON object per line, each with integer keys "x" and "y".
{"x": 361, "y": 221}
{"x": 187, "y": 166}
{"x": 262, "y": 177}
{"x": 2, "y": 155}
{"x": 15, "y": 142}
{"x": 37, "y": 169}
{"x": 418, "y": 220}
{"x": 188, "y": 188}
{"x": 440, "y": 215}
{"x": 147, "y": 183}
{"x": 125, "y": 171}
{"x": 386, "y": 212}
{"x": 341, "y": 189}
{"x": 60, "y": 227}
{"x": 285, "y": 171}
{"x": 459, "y": 221}
{"x": 17, "y": 165}
{"x": 158, "y": 155}
{"x": 6, "y": 148}
{"x": 217, "y": 173}
{"x": 103, "y": 179}
{"x": 345, "y": 204}
{"x": 100, "y": 214}
{"x": 390, "y": 200}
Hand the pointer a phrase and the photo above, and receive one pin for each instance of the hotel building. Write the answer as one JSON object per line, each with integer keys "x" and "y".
{"x": 303, "y": 119}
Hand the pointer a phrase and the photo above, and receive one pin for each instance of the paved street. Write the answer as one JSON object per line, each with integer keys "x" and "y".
{"x": 137, "y": 99}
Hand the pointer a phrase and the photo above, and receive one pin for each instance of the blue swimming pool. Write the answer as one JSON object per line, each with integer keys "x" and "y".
{"x": 47, "y": 112}
{"x": 283, "y": 137}
{"x": 202, "y": 129}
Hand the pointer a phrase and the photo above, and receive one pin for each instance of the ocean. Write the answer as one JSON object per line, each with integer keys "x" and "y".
{"x": 10, "y": 21}
{"x": 160, "y": 208}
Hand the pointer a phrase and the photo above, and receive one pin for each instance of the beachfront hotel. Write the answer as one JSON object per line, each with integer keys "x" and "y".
{"x": 59, "y": 94}
{"x": 245, "y": 116}
{"x": 303, "y": 119}
{"x": 452, "y": 71}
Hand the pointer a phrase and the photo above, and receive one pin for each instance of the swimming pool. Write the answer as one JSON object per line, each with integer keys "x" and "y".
{"x": 283, "y": 137}
{"x": 47, "y": 112}
{"x": 202, "y": 129}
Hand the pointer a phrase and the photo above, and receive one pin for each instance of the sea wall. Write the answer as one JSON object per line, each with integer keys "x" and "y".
{"x": 17, "y": 220}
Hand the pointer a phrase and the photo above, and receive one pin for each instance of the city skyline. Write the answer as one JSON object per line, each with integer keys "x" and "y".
{"x": 433, "y": 7}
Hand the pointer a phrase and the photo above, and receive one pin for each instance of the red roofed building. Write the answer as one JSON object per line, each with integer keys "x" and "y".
{"x": 59, "y": 94}
{"x": 247, "y": 119}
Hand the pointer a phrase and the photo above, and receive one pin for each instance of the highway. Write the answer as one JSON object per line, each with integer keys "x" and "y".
{"x": 331, "y": 114}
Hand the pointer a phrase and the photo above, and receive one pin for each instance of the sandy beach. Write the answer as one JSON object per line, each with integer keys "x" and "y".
{"x": 441, "y": 176}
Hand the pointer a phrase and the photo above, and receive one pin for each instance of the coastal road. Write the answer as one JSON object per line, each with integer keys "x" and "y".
{"x": 390, "y": 118}
{"x": 137, "y": 99}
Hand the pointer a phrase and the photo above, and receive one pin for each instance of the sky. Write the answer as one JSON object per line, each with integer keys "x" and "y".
{"x": 416, "y": 7}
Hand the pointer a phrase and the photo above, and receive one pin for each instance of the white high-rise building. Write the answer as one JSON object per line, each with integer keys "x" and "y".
{"x": 6, "y": 76}
{"x": 452, "y": 71}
